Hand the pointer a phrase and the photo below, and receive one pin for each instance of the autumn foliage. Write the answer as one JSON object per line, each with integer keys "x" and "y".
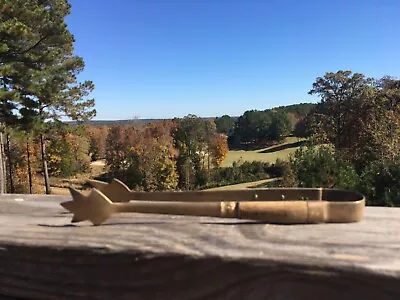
{"x": 219, "y": 149}
{"x": 97, "y": 141}
{"x": 18, "y": 170}
{"x": 142, "y": 157}
{"x": 165, "y": 155}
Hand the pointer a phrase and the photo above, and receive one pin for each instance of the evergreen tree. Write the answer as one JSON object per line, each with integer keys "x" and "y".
{"x": 38, "y": 70}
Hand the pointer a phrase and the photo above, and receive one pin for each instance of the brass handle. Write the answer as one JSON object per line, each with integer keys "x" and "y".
{"x": 97, "y": 208}
{"x": 302, "y": 212}
{"x": 290, "y": 212}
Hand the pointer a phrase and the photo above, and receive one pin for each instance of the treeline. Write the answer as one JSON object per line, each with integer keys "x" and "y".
{"x": 187, "y": 153}
{"x": 354, "y": 138}
{"x": 183, "y": 153}
{"x": 260, "y": 128}
{"x": 179, "y": 154}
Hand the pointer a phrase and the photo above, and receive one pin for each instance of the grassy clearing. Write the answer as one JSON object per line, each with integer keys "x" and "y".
{"x": 269, "y": 154}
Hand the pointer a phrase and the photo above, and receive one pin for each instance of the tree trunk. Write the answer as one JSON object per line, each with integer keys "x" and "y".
{"x": 29, "y": 165}
{"x": 10, "y": 169}
{"x": 44, "y": 161}
{"x": 208, "y": 159}
{"x": 3, "y": 176}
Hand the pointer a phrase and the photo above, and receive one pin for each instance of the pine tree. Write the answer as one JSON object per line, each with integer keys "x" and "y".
{"x": 38, "y": 70}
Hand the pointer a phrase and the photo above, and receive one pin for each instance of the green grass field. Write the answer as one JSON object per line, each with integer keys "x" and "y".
{"x": 269, "y": 154}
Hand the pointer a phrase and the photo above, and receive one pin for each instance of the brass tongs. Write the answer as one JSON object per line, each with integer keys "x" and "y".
{"x": 271, "y": 205}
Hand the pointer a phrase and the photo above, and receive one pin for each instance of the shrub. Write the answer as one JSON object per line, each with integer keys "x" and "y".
{"x": 320, "y": 167}
{"x": 242, "y": 172}
{"x": 285, "y": 171}
{"x": 380, "y": 183}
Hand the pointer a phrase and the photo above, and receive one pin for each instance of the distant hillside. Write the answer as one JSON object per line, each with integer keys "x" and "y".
{"x": 300, "y": 109}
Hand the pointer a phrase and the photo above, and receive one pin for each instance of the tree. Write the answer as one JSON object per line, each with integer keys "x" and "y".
{"x": 340, "y": 93}
{"x": 189, "y": 137}
{"x": 155, "y": 157}
{"x": 381, "y": 123}
{"x": 144, "y": 158}
{"x": 30, "y": 28}
{"x": 193, "y": 137}
{"x": 117, "y": 146}
{"x": 280, "y": 127}
{"x": 39, "y": 70}
{"x": 23, "y": 161}
{"x": 257, "y": 127}
{"x": 298, "y": 110}
{"x": 219, "y": 149}
{"x": 380, "y": 183}
{"x": 225, "y": 124}
{"x": 52, "y": 93}
{"x": 302, "y": 128}
{"x": 321, "y": 167}
{"x": 97, "y": 139}
{"x": 358, "y": 115}
{"x": 293, "y": 120}
{"x": 67, "y": 151}
{"x": 253, "y": 126}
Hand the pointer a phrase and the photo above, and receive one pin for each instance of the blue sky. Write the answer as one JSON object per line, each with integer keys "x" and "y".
{"x": 170, "y": 58}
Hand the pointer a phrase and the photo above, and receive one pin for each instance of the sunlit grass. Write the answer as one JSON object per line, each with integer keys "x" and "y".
{"x": 258, "y": 155}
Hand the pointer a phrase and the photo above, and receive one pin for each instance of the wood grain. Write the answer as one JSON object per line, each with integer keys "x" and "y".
{"x": 43, "y": 256}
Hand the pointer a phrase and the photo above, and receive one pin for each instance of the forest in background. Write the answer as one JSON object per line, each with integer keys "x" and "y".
{"x": 182, "y": 153}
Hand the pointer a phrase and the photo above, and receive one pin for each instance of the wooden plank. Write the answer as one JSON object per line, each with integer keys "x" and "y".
{"x": 135, "y": 256}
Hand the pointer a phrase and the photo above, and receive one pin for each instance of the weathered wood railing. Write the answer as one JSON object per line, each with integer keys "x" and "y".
{"x": 44, "y": 256}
